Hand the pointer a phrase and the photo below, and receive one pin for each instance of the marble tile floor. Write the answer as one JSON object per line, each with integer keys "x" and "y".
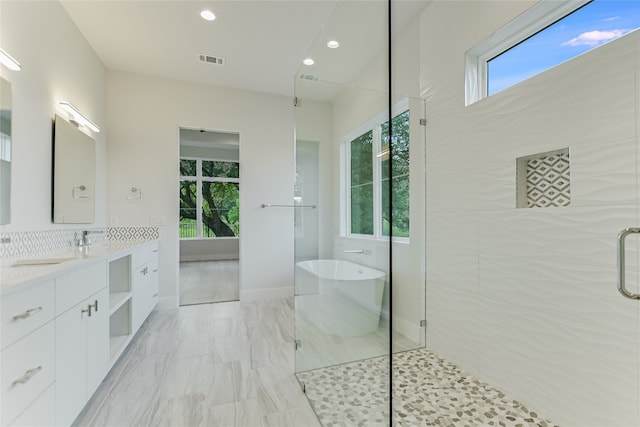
{"x": 203, "y": 282}
{"x": 225, "y": 364}
{"x": 427, "y": 391}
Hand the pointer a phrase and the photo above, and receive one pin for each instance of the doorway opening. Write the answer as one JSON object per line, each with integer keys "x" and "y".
{"x": 209, "y": 206}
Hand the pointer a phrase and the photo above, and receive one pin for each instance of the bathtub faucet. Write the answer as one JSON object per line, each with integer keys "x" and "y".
{"x": 358, "y": 251}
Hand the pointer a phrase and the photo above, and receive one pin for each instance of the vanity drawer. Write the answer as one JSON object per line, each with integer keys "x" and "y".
{"x": 144, "y": 253}
{"x": 24, "y": 311}
{"x": 78, "y": 285}
{"x": 27, "y": 370}
{"x": 41, "y": 413}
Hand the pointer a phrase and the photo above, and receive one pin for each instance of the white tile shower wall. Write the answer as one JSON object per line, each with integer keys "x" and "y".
{"x": 526, "y": 299}
{"x": 21, "y": 243}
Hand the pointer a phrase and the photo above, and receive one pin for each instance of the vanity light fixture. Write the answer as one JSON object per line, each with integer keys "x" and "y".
{"x": 80, "y": 118}
{"x": 207, "y": 15}
{"x": 8, "y": 61}
{"x": 308, "y": 61}
{"x": 333, "y": 44}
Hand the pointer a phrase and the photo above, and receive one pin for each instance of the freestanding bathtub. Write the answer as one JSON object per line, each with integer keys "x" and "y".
{"x": 339, "y": 297}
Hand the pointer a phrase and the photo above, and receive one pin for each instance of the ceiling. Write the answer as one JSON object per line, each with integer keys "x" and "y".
{"x": 263, "y": 41}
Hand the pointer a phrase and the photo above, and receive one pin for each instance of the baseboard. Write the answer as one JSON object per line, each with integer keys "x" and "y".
{"x": 216, "y": 257}
{"x": 264, "y": 294}
{"x": 408, "y": 329}
{"x": 167, "y": 303}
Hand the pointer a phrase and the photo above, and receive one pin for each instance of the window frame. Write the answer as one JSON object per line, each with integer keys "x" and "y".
{"x": 374, "y": 124}
{"x": 199, "y": 179}
{"x": 534, "y": 20}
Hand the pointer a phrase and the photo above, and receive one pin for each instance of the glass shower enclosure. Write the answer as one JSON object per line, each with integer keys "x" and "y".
{"x": 359, "y": 197}
{"x": 482, "y": 265}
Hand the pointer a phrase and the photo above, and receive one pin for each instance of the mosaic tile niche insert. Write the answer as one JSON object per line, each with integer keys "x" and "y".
{"x": 543, "y": 180}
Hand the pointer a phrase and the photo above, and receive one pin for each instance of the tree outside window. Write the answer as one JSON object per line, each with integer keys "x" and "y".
{"x": 398, "y": 213}
{"x": 209, "y": 198}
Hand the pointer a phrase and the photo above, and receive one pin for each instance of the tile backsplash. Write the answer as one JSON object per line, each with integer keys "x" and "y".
{"x": 24, "y": 242}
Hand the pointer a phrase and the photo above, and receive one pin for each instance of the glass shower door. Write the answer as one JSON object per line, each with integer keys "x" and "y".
{"x": 342, "y": 281}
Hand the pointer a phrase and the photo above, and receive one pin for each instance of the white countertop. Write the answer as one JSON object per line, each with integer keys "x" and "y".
{"x": 14, "y": 277}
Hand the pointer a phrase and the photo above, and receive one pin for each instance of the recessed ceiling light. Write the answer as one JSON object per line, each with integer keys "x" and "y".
{"x": 308, "y": 61}
{"x": 208, "y": 15}
{"x": 333, "y": 44}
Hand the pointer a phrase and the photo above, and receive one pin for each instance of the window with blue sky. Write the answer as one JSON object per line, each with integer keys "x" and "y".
{"x": 594, "y": 24}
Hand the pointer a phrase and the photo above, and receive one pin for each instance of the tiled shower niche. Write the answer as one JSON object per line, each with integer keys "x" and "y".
{"x": 543, "y": 180}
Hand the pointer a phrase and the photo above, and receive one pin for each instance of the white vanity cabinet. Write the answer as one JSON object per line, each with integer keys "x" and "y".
{"x": 82, "y": 338}
{"x": 62, "y": 330}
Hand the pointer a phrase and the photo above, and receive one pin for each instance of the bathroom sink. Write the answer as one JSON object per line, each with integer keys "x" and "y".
{"x": 40, "y": 261}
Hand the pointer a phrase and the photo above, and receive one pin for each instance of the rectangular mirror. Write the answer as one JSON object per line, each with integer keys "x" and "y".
{"x": 74, "y": 165}
{"x": 5, "y": 151}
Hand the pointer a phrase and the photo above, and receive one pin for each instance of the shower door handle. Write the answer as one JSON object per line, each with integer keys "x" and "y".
{"x": 621, "y": 263}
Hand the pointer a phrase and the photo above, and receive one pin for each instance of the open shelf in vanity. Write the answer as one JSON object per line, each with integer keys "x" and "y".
{"x": 120, "y": 293}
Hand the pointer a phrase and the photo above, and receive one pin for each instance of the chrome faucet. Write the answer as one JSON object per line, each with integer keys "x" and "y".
{"x": 85, "y": 240}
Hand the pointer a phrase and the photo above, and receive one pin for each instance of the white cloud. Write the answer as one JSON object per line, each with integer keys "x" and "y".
{"x": 613, "y": 18}
{"x": 594, "y": 38}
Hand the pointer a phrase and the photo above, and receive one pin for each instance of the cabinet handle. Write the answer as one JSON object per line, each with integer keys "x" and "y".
{"x": 94, "y": 306}
{"x": 155, "y": 295}
{"x": 155, "y": 250}
{"x": 155, "y": 271}
{"x": 27, "y": 313}
{"x": 27, "y": 376}
{"x": 86, "y": 310}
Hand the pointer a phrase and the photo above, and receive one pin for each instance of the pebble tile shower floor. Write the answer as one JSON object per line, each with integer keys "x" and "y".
{"x": 428, "y": 391}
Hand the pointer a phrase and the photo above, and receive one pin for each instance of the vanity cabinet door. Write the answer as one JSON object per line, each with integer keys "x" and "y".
{"x": 145, "y": 283}
{"x": 71, "y": 364}
{"x": 140, "y": 285}
{"x": 82, "y": 354}
{"x": 153, "y": 285}
{"x": 98, "y": 341}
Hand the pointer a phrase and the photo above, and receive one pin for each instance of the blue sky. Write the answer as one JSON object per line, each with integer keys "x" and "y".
{"x": 591, "y": 26}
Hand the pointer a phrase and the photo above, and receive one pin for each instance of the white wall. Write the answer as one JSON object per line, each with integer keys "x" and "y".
{"x": 313, "y": 121}
{"x": 57, "y": 64}
{"x": 526, "y": 299}
{"x": 145, "y": 115}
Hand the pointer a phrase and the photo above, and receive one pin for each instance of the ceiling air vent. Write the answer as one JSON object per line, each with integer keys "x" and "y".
{"x": 310, "y": 77}
{"x": 217, "y": 60}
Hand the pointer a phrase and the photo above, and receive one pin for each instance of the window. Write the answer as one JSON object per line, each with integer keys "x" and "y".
{"x": 399, "y": 177}
{"x": 367, "y": 154}
{"x": 545, "y": 36}
{"x": 209, "y": 198}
